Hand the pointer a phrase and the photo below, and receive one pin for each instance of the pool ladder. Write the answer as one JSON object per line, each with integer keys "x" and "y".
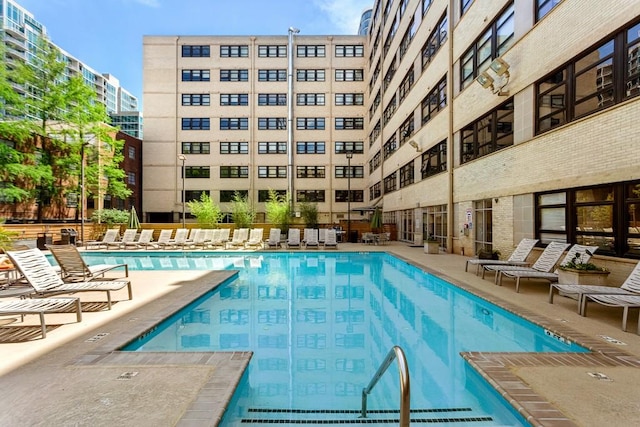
{"x": 405, "y": 386}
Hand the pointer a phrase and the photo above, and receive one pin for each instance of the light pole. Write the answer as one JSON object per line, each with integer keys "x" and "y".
{"x": 349, "y": 157}
{"x": 183, "y": 159}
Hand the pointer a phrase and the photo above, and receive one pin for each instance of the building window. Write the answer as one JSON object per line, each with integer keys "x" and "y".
{"x": 279, "y": 75}
{"x": 343, "y": 171}
{"x": 375, "y": 161}
{"x": 351, "y": 51}
{"x": 406, "y": 84}
{"x": 406, "y": 129}
{"x": 310, "y": 51}
{"x": 194, "y": 195}
{"x": 272, "y": 51}
{"x": 234, "y": 171}
{"x": 464, "y": 6}
{"x": 310, "y": 171}
{"x": 227, "y": 196}
{"x": 390, "y": 147}
{"x": 544, "y": 6}
{"x": 375, "y": 133}
{"x": 390, "y": 110}
{"x": 310, "y": 99}
{"x": 356, "y": 147}
{"x": 196, "y": 123}
{"x": 601, "y": 77}
{"x": 349, "y": 99}
{"x": 604, "y": 216}
{"x": 407, "y": 174}
{"x": 310, "y": 75}
{"x": 132, "y": 153}
{"x": 263, "y": 195}
{"x": 190, "y": 51}
{"x": 426, "y": 4}
{"x": 310, "y": 147}
{"x": 272, "y": 123}
{"x": 196, "y": 148}
{"x": 234, "y": 147}
{"x": 196, "y": 99}
{"x": 408, "y": 37}
{"x": 234, "y": 123}
{"x": 390, "y": 183}
{"x": 310, "y": 196}
{"x": 234, "y": 51}
{"x": 342, "y": 196}
{"x": 197, "y": 172}
{"x": 272, "y": 147}
{"x": 435, "y": 101}
{"x": 434, "y": 160}
{"x": 491, "y": 133}
{"x": 272, "y": 171}
{"x": 234, "y": 99}
{"x": 345, "y": 123}
{"x": 436, "y": 40}
{"x": 196, "y": 75}
{"x": 131, "y": 178}
{"x": 375, "y": 191}
{"x": 490, "y": 45}
{"x": 272, "y": 99}
{"x": 234, "y": 75}
{"x": 310, "y": 123}
{"x": 356, "y": 75}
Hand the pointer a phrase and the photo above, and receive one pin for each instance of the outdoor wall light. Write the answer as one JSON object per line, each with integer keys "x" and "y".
{"x": 485, "y": 80}
{"x": 500, "y": 67}
{"x": 501, "y": 70}
{"x": 415, "y": 145}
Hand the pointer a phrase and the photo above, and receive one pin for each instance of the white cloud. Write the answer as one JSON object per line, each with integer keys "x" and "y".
{"x": 345, "y": 14}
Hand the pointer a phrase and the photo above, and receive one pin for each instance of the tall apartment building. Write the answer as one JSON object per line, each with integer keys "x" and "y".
{"x": 226, "y": 104}
{"x": 485, "y": 121}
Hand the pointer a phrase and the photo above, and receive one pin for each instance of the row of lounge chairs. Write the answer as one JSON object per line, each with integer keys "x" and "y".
{"x": 626, "y": 296}
{"x": 40, "y": 283}
{"x": 311, "y": 240}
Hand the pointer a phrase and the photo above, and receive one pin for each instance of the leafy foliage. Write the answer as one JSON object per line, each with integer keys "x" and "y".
{"x": 110, "y": 216}
{"x": 207, "y": 213}
{"x": 242, "y": 211}
{"x": 577, "y": 264}
{"x": 278, "y": 210}
{"x": 309, "y": 213}
{"x": 6, "y": 237}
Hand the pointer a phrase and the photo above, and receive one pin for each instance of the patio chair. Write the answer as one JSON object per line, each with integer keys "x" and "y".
{"x": 311, "y": 238}
{"x": 178, "y": 240}
{"x": 240, "y": 236}
{"x": 206, "y": 238}
{"x": 163, "y": 239}
{"x": 293, "y": 238}
{"x": 518, "y": 257}
{"x": 255, "y": 239}
{"x": 322, "y": 235}
{"x": 40, "y": 306}
{"x": 384, "y": 238}
{"x": 74, "y": 268}
{"x": 197, "y": 241}
{"x": 110, "y": 236}
{"x": 368, "y": 238}
{"x": 545, "y": 262}
{"x": 630, "y": 287}
{"x": 582, "y": 252}
{"x": 331, "y": 240}
{"x": 274, "y": 238}
{"x": 129, "y": 236}
{"x": 37, "y": 271}
{"x": 145, "y": 238}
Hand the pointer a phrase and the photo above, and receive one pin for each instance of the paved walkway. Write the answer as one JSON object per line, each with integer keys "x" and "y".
{"x": 74, "y": 376}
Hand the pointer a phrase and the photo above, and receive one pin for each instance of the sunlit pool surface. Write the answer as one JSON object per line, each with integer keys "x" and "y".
{"x": 320, "y": 324}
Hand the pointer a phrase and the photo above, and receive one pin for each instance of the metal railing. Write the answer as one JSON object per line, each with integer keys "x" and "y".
{"x": 405, "y": 386}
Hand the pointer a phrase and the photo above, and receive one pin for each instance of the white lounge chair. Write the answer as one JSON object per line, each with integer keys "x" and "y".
{"x": 293, "y": 238}
{"x": 311, "y": 238}
{"x": 240, "y": 236}
{"x": 163, "y": 239}
{"x": 40, "y": 306}
{"x": 37, "y": 271}
{"x": 129, "y": 236}
{"x": 110, "y": 236}
{"x": 146, "y": 236}
{"x": 331, "y": 240}
{"x": 545, "y": 262}
{"x": 517, "y": 257}
{"x": 581, "y": 252}
{"x": 178, "y": 240}
{"x": 74, "y": 268}
{"x": 255, "y": 239}
{"x": 630, "y": 287}
{"x": 274, "y": 238}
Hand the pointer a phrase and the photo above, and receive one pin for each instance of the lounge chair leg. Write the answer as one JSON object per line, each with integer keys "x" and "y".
{"x": 78, "y": 310}
{"x": 517, "y": 284}
{"x": 43, "y": 325}
{"x": 109, "y": 299}
{"x": 583, "y": 306}
{"x": 551, "y": 294}
{"x": 466, "y": 265}
{"x": 625, "y": 313}
{"x": 130, "y": 291}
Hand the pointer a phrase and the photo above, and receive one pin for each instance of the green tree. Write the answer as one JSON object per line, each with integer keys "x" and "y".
{"x": 242, "y": 211}
{"x": 309, "y": 213}
{"x": 278, "y": 210}
{"x": 207, "y": 213}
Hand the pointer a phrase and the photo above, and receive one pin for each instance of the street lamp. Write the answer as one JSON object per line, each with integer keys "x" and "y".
{"x": 183, "y": 159}
{"x": 349, "y": 157}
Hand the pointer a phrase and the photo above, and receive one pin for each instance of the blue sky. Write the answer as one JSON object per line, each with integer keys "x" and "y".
{"x": 107, "y": 34}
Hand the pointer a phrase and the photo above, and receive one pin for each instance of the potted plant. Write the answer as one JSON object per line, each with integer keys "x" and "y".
{"x": 431, "y": 245}
{"x": 488, "y": 254}
{"x": 582, "y": 273}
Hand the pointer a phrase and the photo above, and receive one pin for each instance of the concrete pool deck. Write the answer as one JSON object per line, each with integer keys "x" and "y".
{"x": 74, "y": 376}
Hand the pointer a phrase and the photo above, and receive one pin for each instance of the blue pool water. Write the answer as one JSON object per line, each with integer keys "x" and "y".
{"x": 321, "y": 323}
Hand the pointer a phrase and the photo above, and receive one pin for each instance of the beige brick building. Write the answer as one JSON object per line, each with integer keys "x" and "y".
{"x": 483, "y": 121}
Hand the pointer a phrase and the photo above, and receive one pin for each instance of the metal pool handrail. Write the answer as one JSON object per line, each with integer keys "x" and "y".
{"x": 405, "y": 386}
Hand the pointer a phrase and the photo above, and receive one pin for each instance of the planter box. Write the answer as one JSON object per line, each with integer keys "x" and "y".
{"x": 431, "y": 247}
{"x": 583, "y": 277}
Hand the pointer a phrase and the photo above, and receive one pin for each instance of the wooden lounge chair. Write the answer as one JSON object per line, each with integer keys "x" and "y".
{"x": 37, "y": 271}
{"x": 518, "y": 257}
{"x": 74, "y": 268}
{"x": 110, "y": 236}
{"x": 40, "y": 306}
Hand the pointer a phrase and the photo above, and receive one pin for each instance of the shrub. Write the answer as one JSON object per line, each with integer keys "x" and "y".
{"x": 242, "y": 212}
{"x": 207, "y": 213}
{"x": 278, "y": 210}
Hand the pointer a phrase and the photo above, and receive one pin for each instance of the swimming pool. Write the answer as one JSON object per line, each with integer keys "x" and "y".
{"x": 321, "y": 323}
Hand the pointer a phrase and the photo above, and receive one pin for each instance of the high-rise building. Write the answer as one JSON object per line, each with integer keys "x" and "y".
{"x": 482, "y": 122}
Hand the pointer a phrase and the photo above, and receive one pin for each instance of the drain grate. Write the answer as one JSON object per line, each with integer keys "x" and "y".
{"x": 97, "y": 337}
{"x": 599, "y": 376}
{"x": 611, "y": 340}
{"x": 127, "y": 375}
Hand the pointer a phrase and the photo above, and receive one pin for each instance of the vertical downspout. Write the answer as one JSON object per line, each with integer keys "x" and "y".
{"x": 450, "y": 219}
{"x": 290, "y": 146}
